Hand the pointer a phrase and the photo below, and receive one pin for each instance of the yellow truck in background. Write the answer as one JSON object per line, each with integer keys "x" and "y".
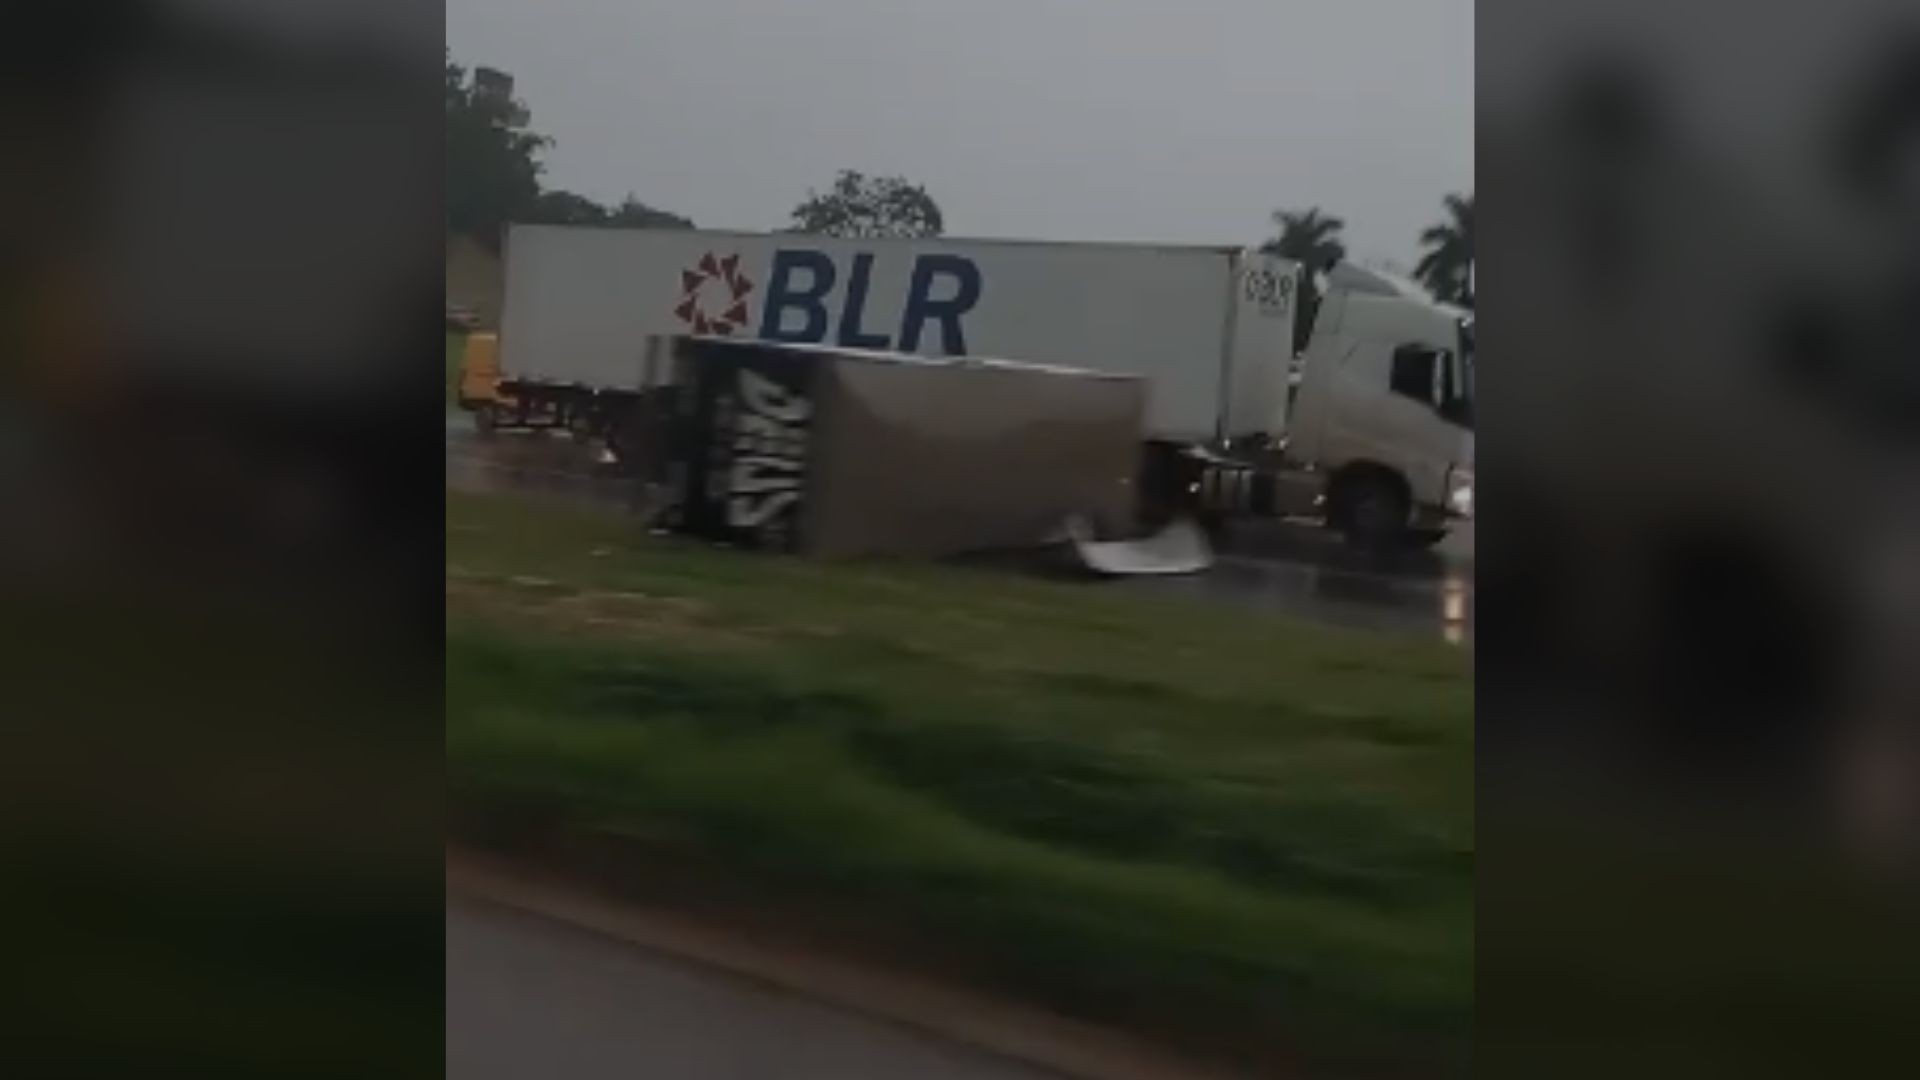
{"x": 479, "y": 376}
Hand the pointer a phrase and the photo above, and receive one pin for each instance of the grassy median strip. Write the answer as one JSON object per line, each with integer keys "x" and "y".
{"x": 456, "y": 349}
{"x": 1253, "y": 832}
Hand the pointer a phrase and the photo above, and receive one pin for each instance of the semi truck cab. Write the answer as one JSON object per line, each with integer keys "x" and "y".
{"x": 1384, "y": 409}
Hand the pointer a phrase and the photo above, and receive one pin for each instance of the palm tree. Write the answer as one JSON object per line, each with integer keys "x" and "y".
{"x": 1311, "y": 239}
{"x": 1307, "y": 237}
{"x": 1447, "y": 267}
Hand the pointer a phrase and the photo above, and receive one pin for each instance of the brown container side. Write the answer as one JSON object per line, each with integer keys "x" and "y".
{"x": 934, "y": 459}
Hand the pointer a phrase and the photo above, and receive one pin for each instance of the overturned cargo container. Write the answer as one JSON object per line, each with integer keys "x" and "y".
{"x": 843, "y": 452}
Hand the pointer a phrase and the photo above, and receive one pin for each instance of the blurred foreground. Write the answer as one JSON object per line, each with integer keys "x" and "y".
{"x": 219, "y": 549}
{"x": 1699, "y": 756}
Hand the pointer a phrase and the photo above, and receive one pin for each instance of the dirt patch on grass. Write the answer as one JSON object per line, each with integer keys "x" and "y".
{"x": 614, "y": 613}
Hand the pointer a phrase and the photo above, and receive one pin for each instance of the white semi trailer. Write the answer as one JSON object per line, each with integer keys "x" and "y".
{"x": 1359, "y": 411}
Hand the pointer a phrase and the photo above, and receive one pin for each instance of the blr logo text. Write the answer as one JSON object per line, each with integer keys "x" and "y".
{"x": 807, "y": 300}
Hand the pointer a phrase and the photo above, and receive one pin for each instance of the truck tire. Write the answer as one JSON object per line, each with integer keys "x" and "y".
{"x": 486, "y": 417}
{"x": 1371, "y": 509}
{"x": 1161, "y": 487}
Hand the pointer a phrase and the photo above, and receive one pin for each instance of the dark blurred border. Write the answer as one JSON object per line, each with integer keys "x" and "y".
{"x": 1698, "y": 710}
{"x": 220, "y": 548}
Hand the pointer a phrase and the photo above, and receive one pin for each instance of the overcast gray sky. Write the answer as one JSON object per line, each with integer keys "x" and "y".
{"x": 1165, "y": 120}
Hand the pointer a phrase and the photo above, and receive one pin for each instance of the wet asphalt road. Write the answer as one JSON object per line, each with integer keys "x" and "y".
{"x": 531, "y": 998}
{"x": 1294, "y": 568}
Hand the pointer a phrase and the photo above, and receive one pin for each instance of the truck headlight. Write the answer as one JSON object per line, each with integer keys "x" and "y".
{"x": 1460, "y": 491}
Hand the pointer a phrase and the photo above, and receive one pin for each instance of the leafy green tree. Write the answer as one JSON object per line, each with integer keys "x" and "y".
{"x": 1446, "y": 267}
{"x": 860, "y": 206}
{"x": 493, "y": 170}
{"x": 634, "y": 214}
{"x": 493, "y": 167}
{"x": 566, "y": 208}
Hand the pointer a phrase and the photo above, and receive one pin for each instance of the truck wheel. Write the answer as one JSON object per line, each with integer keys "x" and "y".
{"x": 486, "y": 417}
{"x": 1372, "y": 512}
{"x": 1160, "y": 488}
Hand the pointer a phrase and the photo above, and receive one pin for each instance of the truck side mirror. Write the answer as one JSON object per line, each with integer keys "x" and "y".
{"x": 1453, "y": 396}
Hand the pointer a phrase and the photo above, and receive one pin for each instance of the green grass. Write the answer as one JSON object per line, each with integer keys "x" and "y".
{"x": 1247, "y": 832}
{"x": 456, "y": 345}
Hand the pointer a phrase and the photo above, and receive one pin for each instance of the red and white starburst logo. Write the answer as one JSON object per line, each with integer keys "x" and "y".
{"x": 706, "y": 281}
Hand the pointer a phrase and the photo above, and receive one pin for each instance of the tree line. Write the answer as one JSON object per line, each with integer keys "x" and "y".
{"x": 494, "y": 176}
{"x": 494, "y": 170}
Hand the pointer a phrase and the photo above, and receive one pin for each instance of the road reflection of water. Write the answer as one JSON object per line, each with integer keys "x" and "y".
{"x": 1275, "y": 566}
{"x": 1456, "y": 610}
{"x": 1443, "y": 607}
{"x": 473, "y": 472}
{"x": 530, "y": 462}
